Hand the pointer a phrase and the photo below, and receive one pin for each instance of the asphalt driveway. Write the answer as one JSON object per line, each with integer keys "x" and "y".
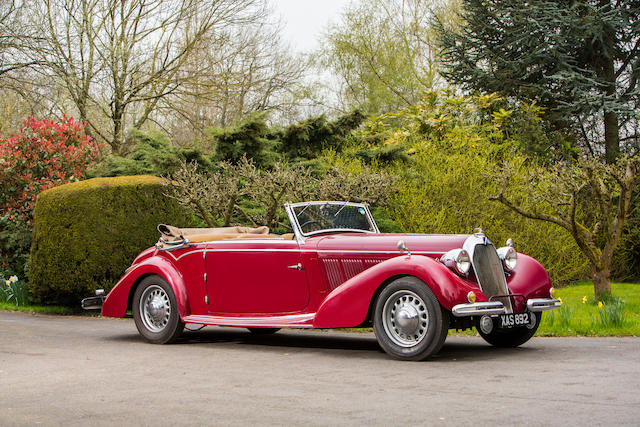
{"x": 58, "y": 370}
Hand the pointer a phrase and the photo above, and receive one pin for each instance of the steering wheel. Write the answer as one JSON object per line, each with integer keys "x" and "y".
{"x": 312, "y": 221}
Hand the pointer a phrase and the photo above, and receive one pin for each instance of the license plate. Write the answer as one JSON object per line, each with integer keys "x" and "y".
{"x": 514, "y": 319}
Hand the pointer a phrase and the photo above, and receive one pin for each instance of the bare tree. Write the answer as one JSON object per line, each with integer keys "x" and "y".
{"x": 590, "y": 199}
{"x": 15, "y": 37}
{"x": 213, "y": 197}
{"x": 216, "y": 197}
{"x": 119, "y": 58}
{"x": 249, "y": 69}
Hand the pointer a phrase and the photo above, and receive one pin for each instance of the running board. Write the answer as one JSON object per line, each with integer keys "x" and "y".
{"x": 286, "y": 321}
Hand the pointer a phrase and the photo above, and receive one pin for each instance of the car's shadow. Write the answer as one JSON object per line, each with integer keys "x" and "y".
{"x": 456, "y": 348}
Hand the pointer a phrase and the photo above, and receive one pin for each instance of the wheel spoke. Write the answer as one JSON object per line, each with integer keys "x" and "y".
{"x": 405, "y": 318}
{"x": 155, "y": 307}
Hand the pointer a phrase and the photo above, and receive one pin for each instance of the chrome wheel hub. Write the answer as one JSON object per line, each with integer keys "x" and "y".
{"x": 155, "y": 308}
{"x": 405, "y": 318}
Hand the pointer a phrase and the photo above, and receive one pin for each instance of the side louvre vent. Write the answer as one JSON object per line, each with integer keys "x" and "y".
{"x": 334, "y": 272}
{"x": 339, "y": 270}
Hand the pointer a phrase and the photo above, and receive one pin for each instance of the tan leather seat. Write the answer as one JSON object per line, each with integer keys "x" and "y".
{"x": 174, "y": 234}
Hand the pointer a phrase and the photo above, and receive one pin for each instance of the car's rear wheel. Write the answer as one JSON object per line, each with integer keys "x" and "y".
{"x": 511, "y": 337}
{"x": 409, "y": 322}
{"x": 155, "y": 311}
{"x": 263, "y": 331}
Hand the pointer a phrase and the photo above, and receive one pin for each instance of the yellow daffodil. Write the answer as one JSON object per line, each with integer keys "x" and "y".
{"x": 560, "y": 299}
{"x": 584, "y": 299}
{"x": 13, "y": 279}
{"x": 6, "y": 282}
{"x": 600, "y": 304}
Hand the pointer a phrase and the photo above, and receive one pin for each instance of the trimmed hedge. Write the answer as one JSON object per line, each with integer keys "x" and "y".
{"x": 87, "y": 233}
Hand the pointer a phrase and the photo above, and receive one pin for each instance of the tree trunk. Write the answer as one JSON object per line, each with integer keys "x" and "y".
{"x": 611, "y": 125}
{"x": 116, "y": 142}
{"x": 611, "y": 136}
{"x": 602, "y": 282}
{"x": 229, "y": 210}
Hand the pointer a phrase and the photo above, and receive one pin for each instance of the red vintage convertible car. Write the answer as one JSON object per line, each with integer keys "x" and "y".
{"x": 336, "y": 270}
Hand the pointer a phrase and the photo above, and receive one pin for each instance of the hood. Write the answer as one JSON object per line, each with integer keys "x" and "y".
{"x": 421, "y": 244}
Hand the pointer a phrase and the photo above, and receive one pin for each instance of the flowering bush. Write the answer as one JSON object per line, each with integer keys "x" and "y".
{"x": 41, "y": 155}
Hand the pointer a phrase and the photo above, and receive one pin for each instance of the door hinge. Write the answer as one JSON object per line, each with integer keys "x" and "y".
{"x": 204, "y": 255}
{"x": 206, "y": 299}
{"x": 205, "y": 277}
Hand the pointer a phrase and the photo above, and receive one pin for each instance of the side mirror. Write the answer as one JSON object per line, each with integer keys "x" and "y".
{"x": 402, "y": 247}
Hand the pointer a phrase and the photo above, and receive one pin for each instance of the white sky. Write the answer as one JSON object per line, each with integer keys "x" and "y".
{"x": 305, "y": 20}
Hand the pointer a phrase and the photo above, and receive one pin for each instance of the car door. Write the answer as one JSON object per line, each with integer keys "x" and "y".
{"x": 261, "y": 276}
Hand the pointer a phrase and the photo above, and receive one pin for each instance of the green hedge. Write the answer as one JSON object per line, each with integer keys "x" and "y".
{"x": 87, "y": 233}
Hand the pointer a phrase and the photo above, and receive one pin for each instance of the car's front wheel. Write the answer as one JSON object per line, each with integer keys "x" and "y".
{"x": 155, "y": 311}
{"x": 409, "y": 322}
{"x": 512, "y": 337}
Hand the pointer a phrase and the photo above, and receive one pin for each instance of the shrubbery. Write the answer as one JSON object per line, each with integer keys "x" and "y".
{"x": 41, "y": 155}
{"x": 456, "y": 145}
{"x": 87, "y": 233}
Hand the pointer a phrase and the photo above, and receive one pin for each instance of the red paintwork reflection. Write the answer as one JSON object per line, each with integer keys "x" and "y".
{"x": 327, "y": 281}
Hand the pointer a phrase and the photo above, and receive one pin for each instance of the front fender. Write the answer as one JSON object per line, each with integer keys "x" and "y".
{"x": 529, "y": 278}
{"x": 115, "y": 305}
{"x": 348, "y": 305}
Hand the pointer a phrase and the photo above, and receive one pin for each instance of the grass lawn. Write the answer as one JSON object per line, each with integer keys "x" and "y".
{"x": 48, "y": 309}
{"x": 577, "y": 318}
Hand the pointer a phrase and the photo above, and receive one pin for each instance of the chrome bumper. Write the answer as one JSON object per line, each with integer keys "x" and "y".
{"x": 478, "y": 309}
{"x": 496, "y": 307}
{"x": 93, "y": 303}
{"x": 543, "y": 304}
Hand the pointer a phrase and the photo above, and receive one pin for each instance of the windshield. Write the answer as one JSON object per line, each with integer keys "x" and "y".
{"x": 316, "y": 217}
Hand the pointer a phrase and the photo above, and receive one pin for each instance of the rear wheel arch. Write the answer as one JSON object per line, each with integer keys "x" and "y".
{"x": 181, "y": 297}
{"x": 133, "y": 288}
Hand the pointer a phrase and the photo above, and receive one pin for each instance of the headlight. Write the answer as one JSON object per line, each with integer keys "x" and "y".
{"x": 458, "y": 260}
{"x": 509, "y": 257}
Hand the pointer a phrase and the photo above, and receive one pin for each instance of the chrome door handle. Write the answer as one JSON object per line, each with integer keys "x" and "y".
{"x": 297, "y": 266}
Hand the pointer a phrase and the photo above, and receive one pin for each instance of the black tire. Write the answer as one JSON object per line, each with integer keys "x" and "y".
{"x": 408, "y": 320}
{"x": 159, "y": 324}
{"x": 511, "y": 337}
{"x": 263, "y": 331}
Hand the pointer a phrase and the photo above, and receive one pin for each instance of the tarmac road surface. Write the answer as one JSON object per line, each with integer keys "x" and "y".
{"x": 57, "y": 370}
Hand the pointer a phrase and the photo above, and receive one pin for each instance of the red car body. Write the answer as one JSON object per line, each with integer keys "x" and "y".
{"x": 328, "y": 279}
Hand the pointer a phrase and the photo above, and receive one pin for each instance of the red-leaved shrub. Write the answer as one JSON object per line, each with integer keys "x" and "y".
{"x": 41, "y": 155}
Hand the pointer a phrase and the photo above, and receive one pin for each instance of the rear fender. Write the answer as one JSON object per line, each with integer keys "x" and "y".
{"x": 348, "y": 305}
{"x": 115, "y": 305}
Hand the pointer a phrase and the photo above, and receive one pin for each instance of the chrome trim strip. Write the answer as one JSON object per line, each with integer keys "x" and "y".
{"x": 329, "y": 251}
{"x": 348, "y": 251}
{"x": 294, "y": 221}
{"x": 543, "y": 304}
{"x": 478, "y": 309}
{"x": 293, "y": 320}
{"x": 239, "y": 240}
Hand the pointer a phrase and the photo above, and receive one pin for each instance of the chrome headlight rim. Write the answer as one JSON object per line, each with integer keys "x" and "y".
{"x": 457, "y": 260}
{"x": 509, "y": 257}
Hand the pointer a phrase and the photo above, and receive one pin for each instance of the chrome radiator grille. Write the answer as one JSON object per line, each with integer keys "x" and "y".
{"x": 490, "y": 274}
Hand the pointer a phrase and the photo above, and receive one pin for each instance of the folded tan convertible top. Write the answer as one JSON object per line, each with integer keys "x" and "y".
{"x": 170, "y": 233}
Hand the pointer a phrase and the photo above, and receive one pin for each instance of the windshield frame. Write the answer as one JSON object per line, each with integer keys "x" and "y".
{"x": 301, "y": 236}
